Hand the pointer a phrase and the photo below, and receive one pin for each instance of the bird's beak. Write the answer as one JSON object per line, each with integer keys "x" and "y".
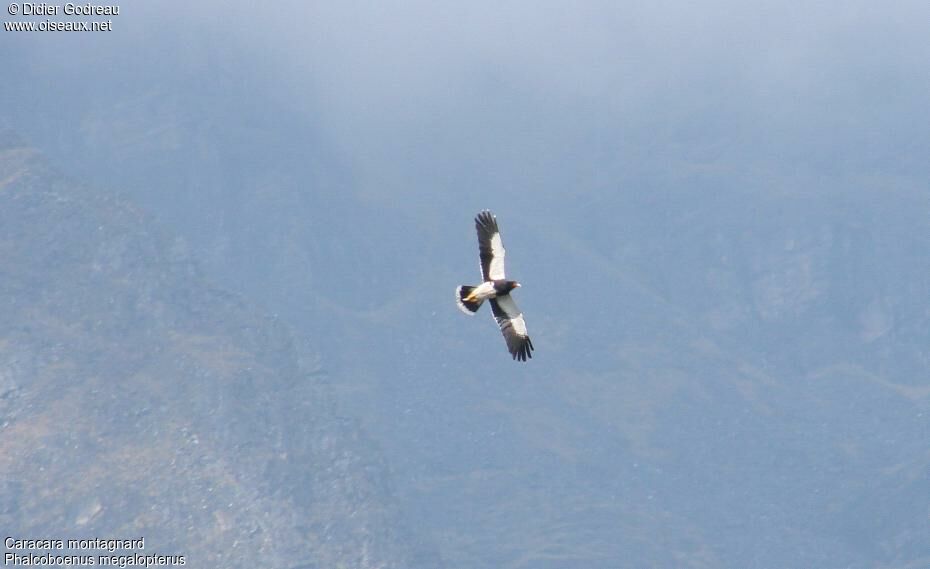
{"x": 517, "y": 285}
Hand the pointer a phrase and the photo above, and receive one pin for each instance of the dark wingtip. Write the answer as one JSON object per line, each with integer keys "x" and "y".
{"x": 524, "y": 352}
{"x": 485, "y": 220}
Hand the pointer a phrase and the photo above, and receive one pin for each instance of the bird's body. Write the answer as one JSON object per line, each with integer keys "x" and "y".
{"x": 496, "y": 289}
{"x": 487, "y": 290}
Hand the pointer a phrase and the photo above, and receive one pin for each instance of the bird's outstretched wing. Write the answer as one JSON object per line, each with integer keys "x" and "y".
{"x": 510, "y": 319}
{"x": 490, "y": 247}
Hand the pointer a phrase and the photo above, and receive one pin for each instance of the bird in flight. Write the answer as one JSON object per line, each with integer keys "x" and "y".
{"x": 496, "y": 289}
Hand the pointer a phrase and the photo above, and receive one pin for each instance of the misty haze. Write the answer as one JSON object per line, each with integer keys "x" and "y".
{"x": 230, "y": 238}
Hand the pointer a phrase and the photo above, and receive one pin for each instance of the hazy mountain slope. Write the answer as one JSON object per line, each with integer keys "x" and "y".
{"x": 743, "y": 383}
{"x": 136, "y": 399}
{"x": 726, "y": 280}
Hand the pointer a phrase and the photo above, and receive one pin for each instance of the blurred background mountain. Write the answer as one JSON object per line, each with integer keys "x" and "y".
{"x": 137, "y": 398}
{"x": 720, "y": 215}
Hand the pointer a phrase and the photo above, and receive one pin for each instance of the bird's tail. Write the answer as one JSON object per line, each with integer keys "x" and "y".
{"x": 467, "y": 306}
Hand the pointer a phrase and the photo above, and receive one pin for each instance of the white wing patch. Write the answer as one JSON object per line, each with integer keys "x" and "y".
{"x": 510, "y": 319}
{"x": 496, "y": 269}
{"x": 519, "y": 325}
{"x": 512, "y": 314}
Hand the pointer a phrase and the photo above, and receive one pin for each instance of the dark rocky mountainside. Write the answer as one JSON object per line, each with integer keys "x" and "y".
{"x": 138, "y": 400}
